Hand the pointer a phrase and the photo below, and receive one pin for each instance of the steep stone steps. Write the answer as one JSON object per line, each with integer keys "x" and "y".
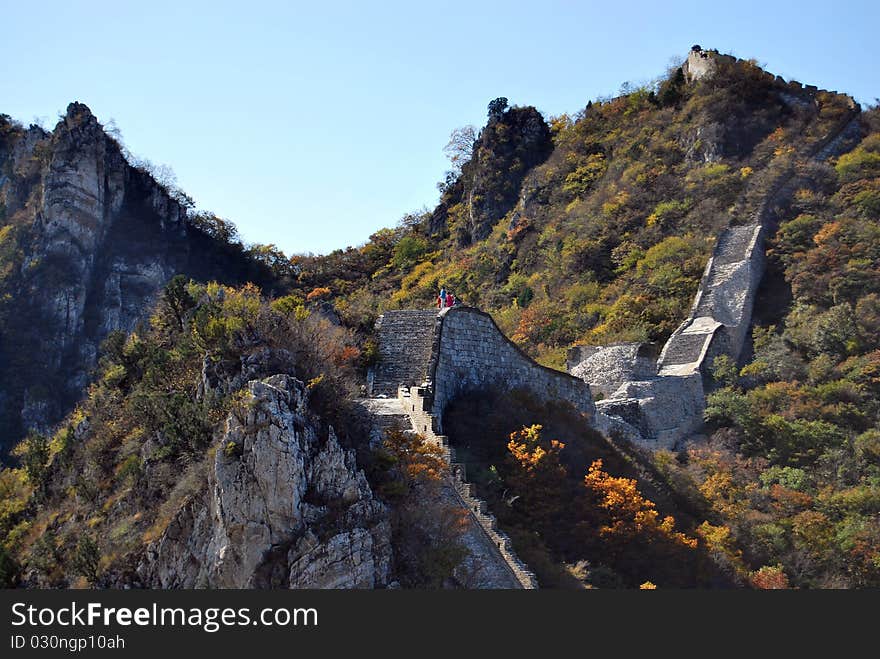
{"x": 717, "y": 299}
{"x": 848, "y": 131}
{"x": 684, "y": 349}
{"x": 733, "y": 245}
{"x": 405, "y": 340}
{"x": 725, "y": 298}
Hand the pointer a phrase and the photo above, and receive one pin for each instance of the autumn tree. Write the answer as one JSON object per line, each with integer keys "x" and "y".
{"x": 174, "y": 304}
{"x": 538, "y": 477}
{"x": 631, "y": 530}
{"x": 216, "y": 227}
{"x": 769, "y": 577}
{"x": 86, "y": 559}
{"x": 34, "y": 454}
{"x": 460, "y": 147}
{"x": 497, "y": 108}
{"x": 629, "y": 513}
{"x": 427, "y": 530}
{"x": 273, "y": 258}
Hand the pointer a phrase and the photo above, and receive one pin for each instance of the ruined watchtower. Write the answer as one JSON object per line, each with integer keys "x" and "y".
{"x": 699, "y": 64}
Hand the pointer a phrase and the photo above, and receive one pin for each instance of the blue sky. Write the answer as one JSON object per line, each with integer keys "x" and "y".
{"x": 311, "y": 125}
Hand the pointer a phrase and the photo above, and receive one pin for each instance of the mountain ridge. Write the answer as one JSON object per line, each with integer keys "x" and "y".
{"x": 593, "y": 230}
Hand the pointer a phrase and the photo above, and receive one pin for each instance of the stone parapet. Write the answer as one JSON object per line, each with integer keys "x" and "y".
{"x": 414, "y": 402}
{"x": 472, "y": 354}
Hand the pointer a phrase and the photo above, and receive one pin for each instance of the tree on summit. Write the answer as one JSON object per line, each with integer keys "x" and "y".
{"x": 497, "y": 107}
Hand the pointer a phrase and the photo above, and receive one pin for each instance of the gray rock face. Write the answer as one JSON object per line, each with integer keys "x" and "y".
{"x": 87, "y": 272}
{"x": 346, "y": 560}
{"x": 282, "y": 508}
{"x": 104, "y": 238}
{"x": 85, "y": 189}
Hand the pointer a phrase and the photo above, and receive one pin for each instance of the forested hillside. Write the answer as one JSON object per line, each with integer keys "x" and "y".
{"x": 584, "y": 229}
{"x": 605, "y": 239}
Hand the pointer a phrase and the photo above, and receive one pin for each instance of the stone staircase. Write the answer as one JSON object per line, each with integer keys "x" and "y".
{"x": 669, "y": 406}
{"x": 491, "y": 537}
{"x": 724, "y": 299}
{"x": 492, "y": 559}
{"x": 405, "y": 339}
{"x": 850, "y": 131}
{"x": 733, "y": 252}
{"x": 732, "y": 276}
{"x": 733, "y": 245}
{"x": 386, "y": 414}
{"x": 686, "y": 349}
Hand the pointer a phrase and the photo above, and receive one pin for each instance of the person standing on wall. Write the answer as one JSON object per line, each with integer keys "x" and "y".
{"x": 441, "y": 299}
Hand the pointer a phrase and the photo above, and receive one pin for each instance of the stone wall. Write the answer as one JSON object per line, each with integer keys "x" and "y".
{"x": 471, "y": 354}
{"x": 406, "y": 339}
{"x": 417, "y": 404}
{"x": 667, "y": 408}
{"x": 455, "y": 352}
{"x": 605, "y": 368}
{"x": 722, "y": 308}
{"x": 699, "y": 64}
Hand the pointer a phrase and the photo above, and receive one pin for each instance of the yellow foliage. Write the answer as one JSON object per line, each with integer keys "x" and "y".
{"x": 616, "y": 203}
{"x": 631, "y": 513}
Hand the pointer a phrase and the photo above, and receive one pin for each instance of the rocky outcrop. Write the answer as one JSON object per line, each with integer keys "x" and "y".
{"x": 102, "y": 239}
{"x": 283, "y": 508}
{"x": 512, "y": 143}
{"x": 87, "y": 189}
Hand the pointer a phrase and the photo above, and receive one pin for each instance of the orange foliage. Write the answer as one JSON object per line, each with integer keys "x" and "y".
{"x": 827, "y": 233}
{"x": 631, "y": 514}
{"x": 532, "y": 323}
{"x": 539, "y": 476}
{"x": 524, "y": 446}
{"x": 348, "y": 355}
{"x": 417, "y": 459}
{"x": 769, "y": 578}
{"x": 789, "y": 501}
{"x": 318, "y": 293}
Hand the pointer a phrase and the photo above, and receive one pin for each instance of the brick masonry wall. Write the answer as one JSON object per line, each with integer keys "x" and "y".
{"x": 406, "y": 339}
{"x": 417, "y": 406}
{"x": 471, "y": 354}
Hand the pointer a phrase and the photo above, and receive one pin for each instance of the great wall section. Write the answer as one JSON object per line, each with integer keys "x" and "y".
{"x": 429, "y": 358}
{"x": 665, "y": 404}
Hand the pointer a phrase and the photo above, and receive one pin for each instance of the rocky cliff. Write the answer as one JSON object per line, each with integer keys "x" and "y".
{"x": 283, "y": 507}
{"x": 513, "y": 141}
{"x": 89, "y": 241}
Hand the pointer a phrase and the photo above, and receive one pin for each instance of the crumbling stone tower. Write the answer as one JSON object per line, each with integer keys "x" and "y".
{"x": 699, "y": 64}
